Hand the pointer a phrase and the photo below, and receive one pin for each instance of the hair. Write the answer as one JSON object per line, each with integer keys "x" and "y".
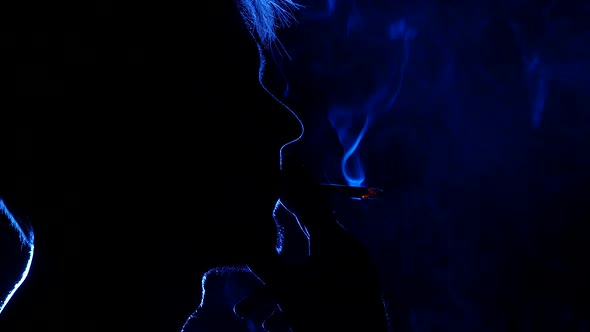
{"x": 20, "y": 225}
{"x": 265, "y": 17}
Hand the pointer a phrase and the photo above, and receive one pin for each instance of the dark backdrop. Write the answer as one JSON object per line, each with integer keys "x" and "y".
{"x": 138, "y": 141}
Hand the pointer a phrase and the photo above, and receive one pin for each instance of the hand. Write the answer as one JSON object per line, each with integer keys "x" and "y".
{"x": 335, "y": 289}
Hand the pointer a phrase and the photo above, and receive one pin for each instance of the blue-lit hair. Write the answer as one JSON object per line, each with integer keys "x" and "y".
{"x": 264, "y": 17}
{"x": 19, "y": 224}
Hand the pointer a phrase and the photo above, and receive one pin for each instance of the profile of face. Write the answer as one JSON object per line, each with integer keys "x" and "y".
{"x": 473, "y": 121}
{"x": 16, "y": 246}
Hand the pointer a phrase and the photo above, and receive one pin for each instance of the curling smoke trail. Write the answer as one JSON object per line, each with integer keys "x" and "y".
{"x": 538, "y": 90}
{"x": 380, "y": 102}
{"x": 351, "y": 165}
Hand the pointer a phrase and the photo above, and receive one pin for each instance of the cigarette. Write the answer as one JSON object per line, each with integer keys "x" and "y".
{"x": 358, "y": 193}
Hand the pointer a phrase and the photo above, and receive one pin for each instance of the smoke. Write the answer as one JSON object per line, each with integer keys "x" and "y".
{"x": 456, "y": 110}
{"x": 345, "y": 66}
{"x": 351, "y": 164}
{"x": 473, "y": 117}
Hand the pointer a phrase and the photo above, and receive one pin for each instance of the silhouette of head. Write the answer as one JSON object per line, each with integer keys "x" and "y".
{"x": 472, "y": 119}
{"x": 17, "y": 247}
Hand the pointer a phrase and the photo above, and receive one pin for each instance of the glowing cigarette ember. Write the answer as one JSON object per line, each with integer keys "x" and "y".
{"x": 352, "y": 192}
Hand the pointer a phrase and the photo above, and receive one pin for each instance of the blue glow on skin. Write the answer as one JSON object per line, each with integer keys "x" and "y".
{"x": 303, "y": 228}
{"x": 260, "y": 80}
{"x": 262, "y": 17}
{"x": 201, "y": 303}
{"x": 280, "y": 233}
{"x": 281, "y": 150}
{"x": 281, "y": 236}
{"x": 26, "y": 238}
{"x": 379, "y": 102}
{"x": 471, "y": 92}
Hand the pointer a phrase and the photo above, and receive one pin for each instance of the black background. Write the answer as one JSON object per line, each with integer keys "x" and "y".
{"x": 137, "y": 140}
